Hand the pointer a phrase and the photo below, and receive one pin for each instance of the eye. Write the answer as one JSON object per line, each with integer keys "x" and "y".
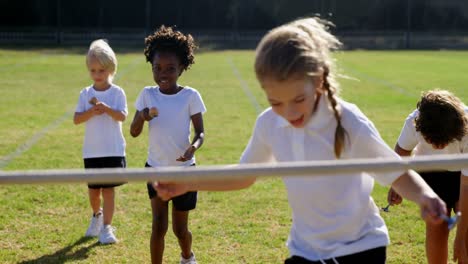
{"x": 275, "y": 104}
{"x": 299, "y": 100}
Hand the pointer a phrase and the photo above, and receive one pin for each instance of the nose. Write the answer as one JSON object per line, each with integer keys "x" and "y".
{"x": 291, "y": 112}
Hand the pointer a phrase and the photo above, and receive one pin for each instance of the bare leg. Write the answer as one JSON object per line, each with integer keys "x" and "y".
{"x": 95, "y": 199}
{"x": 180, "y": 228}
{"x": 159, "y": 229}
{"x": 437, "y": 243}
{"x": 108, "y": 195}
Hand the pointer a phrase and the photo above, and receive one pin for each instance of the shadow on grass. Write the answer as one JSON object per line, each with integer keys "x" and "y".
{"x": 65, "y": 254}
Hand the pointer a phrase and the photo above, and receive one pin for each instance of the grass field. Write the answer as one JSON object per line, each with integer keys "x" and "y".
{"x": 45, "y": 223}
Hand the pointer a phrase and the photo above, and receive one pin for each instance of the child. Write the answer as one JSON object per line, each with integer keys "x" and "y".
{"x": 439, "y": 125}
{"x": 103, "y": 106}
{"x": 169, "y": 108}
{"x": 335, "y": 220}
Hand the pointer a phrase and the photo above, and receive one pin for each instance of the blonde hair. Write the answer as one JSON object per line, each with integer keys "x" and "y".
{"x": 299, "y": 49}
{"x": 100, "y": 50}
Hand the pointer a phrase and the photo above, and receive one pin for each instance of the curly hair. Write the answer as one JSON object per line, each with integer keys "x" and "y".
{"x": 442, "y": 118}
{"x": 166, "y": 39}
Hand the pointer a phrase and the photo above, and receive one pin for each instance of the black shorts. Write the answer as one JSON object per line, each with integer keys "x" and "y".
{"x": 374, "y": 256}
{"x": 446, "y": 184}
{"x": 101, "y": 163}
{"x": 184, "y": 202}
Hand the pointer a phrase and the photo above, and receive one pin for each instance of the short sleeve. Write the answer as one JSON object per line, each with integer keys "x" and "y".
{"x": 122, "y": 102}
{"x": 408, "y": 139}
{"x": 140, "y": 102}
{"x": 368, "y": 144}
{"x": 196, "y": 104}
{"x": 81, "y": 105}
{"x": 257, "y": 150}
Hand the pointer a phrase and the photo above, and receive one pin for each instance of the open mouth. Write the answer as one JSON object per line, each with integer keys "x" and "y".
{"x": 297, "y": 122}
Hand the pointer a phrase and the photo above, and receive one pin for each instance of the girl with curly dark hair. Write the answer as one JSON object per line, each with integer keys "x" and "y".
{"x": 169, "y": 108}
{"x": 439, "y": 125}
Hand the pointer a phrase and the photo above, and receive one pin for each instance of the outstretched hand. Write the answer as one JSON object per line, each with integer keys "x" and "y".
{"x": 393, "y": 198}
{"x": 169, "y": 190}
{"x": 432, "y": 208}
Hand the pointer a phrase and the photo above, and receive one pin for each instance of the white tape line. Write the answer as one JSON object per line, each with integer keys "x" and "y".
{"x": 245, "y": 87}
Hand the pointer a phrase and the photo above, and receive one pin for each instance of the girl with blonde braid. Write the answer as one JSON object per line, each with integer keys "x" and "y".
{"x": 335, "y": 219}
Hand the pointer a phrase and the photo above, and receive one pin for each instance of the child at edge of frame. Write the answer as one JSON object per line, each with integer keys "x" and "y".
{"x": 439, "y": 125}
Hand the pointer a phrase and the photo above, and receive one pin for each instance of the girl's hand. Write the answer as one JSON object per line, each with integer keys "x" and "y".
{"x": 432, "y": 207}
{"x": 393, "y": 198}
{"x": 97, "y": 110}
{"x": 145, "y": 115}
{"x": 188, "y": 155}
{"x": 103, "y": 107}
{"x": 168, "y": 190}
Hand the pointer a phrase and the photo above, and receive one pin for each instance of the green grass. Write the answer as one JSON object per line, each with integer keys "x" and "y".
{"x": 45, "y": 223}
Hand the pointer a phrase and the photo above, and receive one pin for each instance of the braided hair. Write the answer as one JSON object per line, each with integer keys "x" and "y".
{"x": 303, "y": 48}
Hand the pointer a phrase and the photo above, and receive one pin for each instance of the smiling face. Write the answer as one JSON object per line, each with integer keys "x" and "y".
{"x": 293, "y": 99}
{"x": 98, "y": 73}
{"x": 166, "y": 70}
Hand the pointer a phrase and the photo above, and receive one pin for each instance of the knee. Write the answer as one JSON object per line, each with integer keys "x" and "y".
{"x": 159, "y": 229}
{"x": 181, "y": 232}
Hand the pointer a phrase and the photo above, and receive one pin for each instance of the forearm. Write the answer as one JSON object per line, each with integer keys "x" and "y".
{"x": 137, "y": 125}
{"x": 412, "y": 187}
{"x": 198, "y": 140}
{"x": 117, "y": 115}
{"x": 82, "y": 117}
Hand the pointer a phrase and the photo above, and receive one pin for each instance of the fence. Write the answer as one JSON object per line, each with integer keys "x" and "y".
{"x": 242, "y": 40}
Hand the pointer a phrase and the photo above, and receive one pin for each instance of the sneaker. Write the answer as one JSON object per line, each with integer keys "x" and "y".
{"x": 95, "y": 225}
{"x": 190, "y": 260}
{"x": 107, "y": 235}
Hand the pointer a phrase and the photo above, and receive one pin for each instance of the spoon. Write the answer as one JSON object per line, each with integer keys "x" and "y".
{"x": 451, "y": 221}
{"x": 385, "y": 209}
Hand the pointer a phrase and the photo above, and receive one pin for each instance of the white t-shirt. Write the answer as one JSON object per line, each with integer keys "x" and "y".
{"x": 410, "y": 140}
{"x": 103, "y": 134}
{"x": 332, "y": 215}
{"x": 169, "y": 132}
